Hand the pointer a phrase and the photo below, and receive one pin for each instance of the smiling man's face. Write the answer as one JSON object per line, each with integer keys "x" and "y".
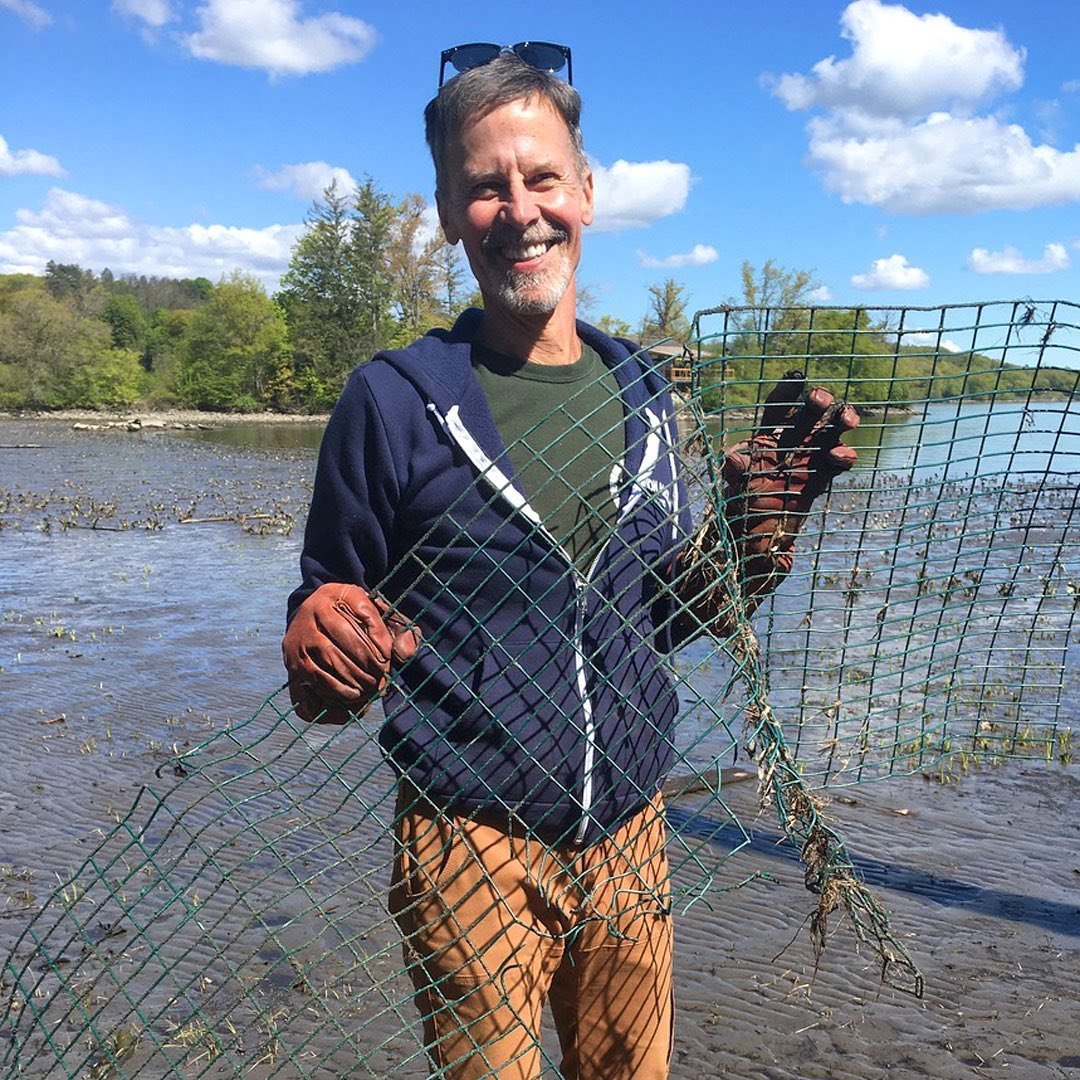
{"x": 518, "y": 201}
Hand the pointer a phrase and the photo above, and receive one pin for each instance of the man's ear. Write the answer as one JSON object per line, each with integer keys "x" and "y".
{"x": 451, "y": 234}
{"x": 587, "y": 188}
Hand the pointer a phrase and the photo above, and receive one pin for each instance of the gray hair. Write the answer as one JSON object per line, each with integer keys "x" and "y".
{"x": 479, "y": 91}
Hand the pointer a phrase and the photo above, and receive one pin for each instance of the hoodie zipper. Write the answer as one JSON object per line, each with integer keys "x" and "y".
{"x": 453, "y": 425}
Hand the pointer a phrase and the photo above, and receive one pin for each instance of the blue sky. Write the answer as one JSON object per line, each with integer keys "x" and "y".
{"x": 907, "y": 154}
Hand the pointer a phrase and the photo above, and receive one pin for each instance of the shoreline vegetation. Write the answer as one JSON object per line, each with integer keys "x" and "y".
{"x": 178, "y": 419}
{"x": 76, "y": 339}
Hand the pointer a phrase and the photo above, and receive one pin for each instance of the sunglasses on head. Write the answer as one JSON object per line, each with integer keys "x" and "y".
{"x": 542, "y": 55}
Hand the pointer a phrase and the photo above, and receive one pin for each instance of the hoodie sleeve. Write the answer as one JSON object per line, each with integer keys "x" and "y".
{"x": 349, "y": 532}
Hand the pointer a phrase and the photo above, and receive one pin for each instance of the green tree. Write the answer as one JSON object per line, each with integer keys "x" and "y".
{"x": 44, "y": 345}
{"x": 164, "y": 340}
{"x": 67, "y": 281}
{"x": 10, "y": 284}
{"x": 777, "y": 298}
{"x": 374, "y": 221}
{"x": 614, "y": 327}
{"x": 127, "y": 321}
{"x": 666, "y": 314}
{"x": 449, "y": 273}
{"x": 413, "y": 272}
{"x": 235, "y": 352}
{"x": 320, "y": 294}
{"x": 115, "y": 380}
{"x": 338, "y": 292}
{"x": 155, "y": 293}
{"x": 851, "y": 354}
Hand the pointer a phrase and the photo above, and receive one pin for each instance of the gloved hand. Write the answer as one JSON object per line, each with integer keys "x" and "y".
{"x": 772, "y": 479}
{"x": 338, "y": 649}
{"x": 770, "y": 482}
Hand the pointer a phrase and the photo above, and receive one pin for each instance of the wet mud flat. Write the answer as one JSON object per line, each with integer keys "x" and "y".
{"x": 141, "y": 596}
{"x": 982, "y": 882}
{"x": 241, "y": 908}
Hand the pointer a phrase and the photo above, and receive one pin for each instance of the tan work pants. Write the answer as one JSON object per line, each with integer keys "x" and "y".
{"x": 494, "y": 925}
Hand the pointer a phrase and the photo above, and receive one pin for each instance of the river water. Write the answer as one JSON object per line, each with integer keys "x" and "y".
{"x": 113, "y": 612}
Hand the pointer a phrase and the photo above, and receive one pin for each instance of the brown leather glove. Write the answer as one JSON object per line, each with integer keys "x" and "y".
{"x": 772, "y": 479}
{"x": 338, "y": 649}
{"x": 770, "y": 482}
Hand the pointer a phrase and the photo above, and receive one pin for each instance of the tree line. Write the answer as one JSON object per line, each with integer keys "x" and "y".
{"x": 363, "y": 277}
{"x": 360, "y": 279}
{"x": 858, "y": 353}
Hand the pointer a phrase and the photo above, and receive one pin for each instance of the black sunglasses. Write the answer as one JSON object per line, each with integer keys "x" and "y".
{"x": 542, "y": 55}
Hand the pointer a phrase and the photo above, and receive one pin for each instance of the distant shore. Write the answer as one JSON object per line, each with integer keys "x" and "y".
{"x": 167, "y": 418}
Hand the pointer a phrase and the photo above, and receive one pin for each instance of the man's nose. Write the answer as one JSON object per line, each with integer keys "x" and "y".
{"x": 521, "y": 208}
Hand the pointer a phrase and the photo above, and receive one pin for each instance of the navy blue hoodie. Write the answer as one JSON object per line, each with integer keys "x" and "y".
{"x": 539, "y": 694}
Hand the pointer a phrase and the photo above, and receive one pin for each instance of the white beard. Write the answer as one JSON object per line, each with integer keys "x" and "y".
{"x": 537, "y": 293}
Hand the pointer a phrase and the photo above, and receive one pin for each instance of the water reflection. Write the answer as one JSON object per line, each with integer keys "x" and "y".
{"x": 259, "y": 435}
{"x": 961, "y": 439}
{"x": 964, "y": 439}
{"x": 955, "y": 439}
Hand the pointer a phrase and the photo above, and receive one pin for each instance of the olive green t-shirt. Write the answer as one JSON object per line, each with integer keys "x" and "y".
{"x": 563, "y": 429}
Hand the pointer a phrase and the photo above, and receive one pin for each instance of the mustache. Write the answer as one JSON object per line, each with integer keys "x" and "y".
{"x": 501, "y": 234}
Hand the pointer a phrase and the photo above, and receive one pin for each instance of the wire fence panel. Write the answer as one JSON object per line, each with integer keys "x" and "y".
{"x": 245, "y": 916}
{"x": 933, "y": 612}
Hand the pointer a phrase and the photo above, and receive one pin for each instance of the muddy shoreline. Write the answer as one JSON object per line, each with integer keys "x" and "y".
{"x": 168, "y": 417}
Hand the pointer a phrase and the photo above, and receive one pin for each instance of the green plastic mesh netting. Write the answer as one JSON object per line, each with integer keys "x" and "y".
{"x": 236, "y": 921}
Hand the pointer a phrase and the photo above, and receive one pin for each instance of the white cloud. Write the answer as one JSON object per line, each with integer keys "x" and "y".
{"x": 892, "y": 273}
{"x": 698, "y": 255}
{"x": 306, "y": 180}
{"x": 1048, "y": 114}
{"x": 904, "y": 64}
{"x": 154, "y": 13}
{"x": 821, "y": 295}
{"x": 273, "y": 36}
{"x": 1010, "y": 261}
{"x": 633, "y": 194}
{"x": 29, "y": 12}
{"x": 74, "y": 228}
{"x": 931, "y": 338}
{"x": 27, "y": 162}
{"x": 942, "y": 164}
{"x": 898, "y": 130}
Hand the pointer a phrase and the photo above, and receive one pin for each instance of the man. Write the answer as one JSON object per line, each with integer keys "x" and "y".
{"x": 498, "y": 516}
